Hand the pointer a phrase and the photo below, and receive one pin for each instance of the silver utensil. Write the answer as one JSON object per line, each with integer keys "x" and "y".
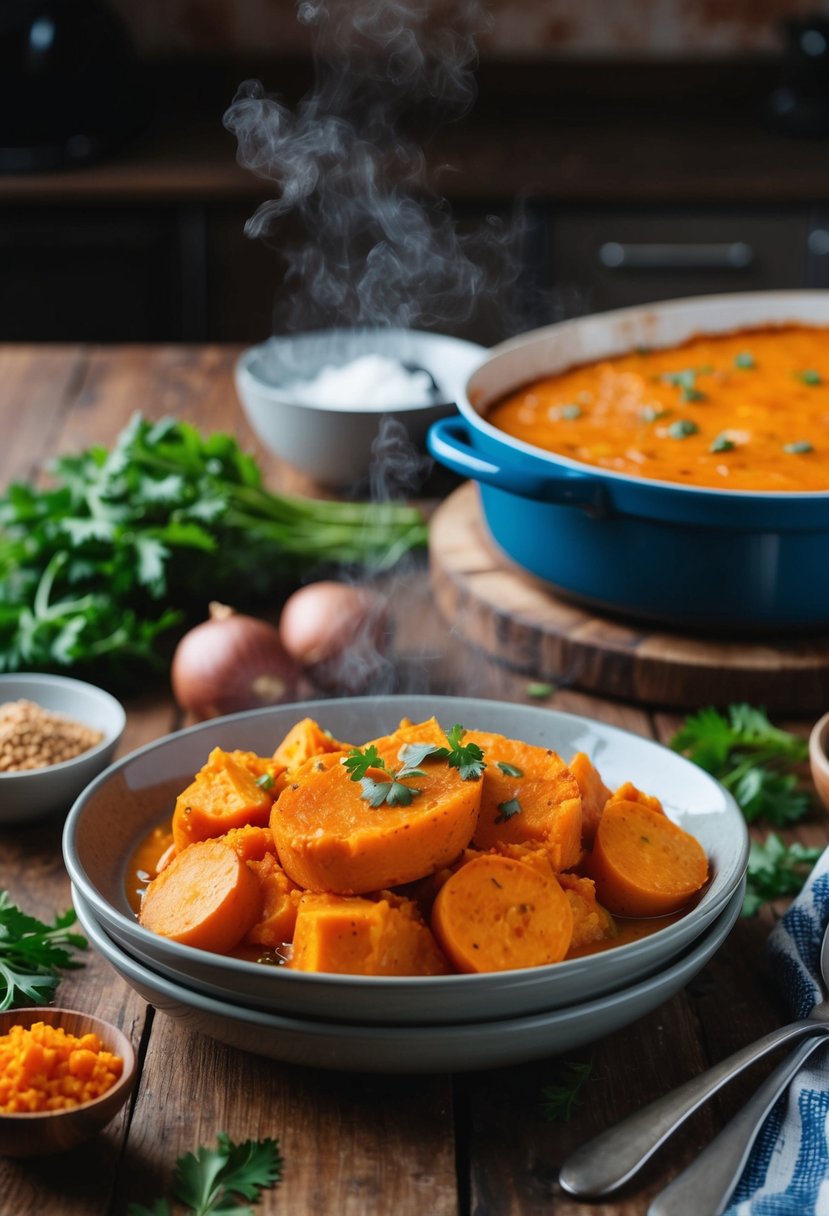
{"x": 615, "y": 1155}
{"x": 706, "y": 1185}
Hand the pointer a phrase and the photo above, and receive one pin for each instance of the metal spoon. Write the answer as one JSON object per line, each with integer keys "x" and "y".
{"x": 615, "y": 1155}
{"x": 706, "y": 1185}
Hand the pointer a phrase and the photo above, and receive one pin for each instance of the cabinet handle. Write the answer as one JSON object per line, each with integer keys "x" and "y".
{"x": 693, "y": 255}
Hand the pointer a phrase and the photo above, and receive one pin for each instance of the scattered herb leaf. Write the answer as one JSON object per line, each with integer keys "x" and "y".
{"x": 687, "y": 393}
{"x": 652, "y": 413}
{"x": 391, "y": 791}
{"x": 776, "y": 869}
{"x": 745, "y": 360}
{"x": 265, "y": 782}
{"x": 212, "y": 1181}
{"x": 507, "y": 809}
{"x": 509, "y": 770}
{"x": 32, "y": 954}
{"x": 752, "y": 758}
{"x": 798, "y": 448}
{"x": 560, "y": 1098}
{"x": 570, "y": 412}
{"x": 467, "y": 758}
{"x": 810, "y": 377}
{"x": 682, "y": 428}
{"x": 539, "y": 691}
{"x": 722, "y": 444}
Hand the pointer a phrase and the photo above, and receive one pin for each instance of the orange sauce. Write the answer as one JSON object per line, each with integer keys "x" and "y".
{"x": 740, "y": 411}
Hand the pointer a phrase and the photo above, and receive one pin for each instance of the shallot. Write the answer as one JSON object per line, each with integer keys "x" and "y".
{"x": 340, "y": 633}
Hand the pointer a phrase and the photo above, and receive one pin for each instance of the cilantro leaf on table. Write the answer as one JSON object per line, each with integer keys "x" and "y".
{"x": 212, "y": 1181}
{"x": 32, "y": 954}
{"x": 128, "y": 544}
{"x": 561, "y": 1097}
{"x": 751, "y": 757}
{"x": 776, "y": 870}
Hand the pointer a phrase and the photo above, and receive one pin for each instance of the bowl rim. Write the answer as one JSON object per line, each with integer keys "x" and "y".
{"x": 533, "y": 337}
{"x": 121, "y": 1046}
{"x": 112, "y": 734}
{"x": 79, "y": 878}
{"x": 819, "y": 745}
{"x": 275, "y": 394}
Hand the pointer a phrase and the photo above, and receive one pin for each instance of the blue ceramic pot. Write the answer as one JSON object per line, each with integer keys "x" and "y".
{"x": 723, "y": 560}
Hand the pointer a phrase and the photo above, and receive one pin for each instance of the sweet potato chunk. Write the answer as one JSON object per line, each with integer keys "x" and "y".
{"x": 304, "y": 740}
{"x": 497, "y": 914}
{"x": 591, "y": 922}
{"x": 542, "y": 805}
{"x": 206, "y": 897}
{"x": 223, "y": 795}
{"x": 355, "y": 936}
{"x": 329, "y": 838}
{"x": 642, "y": 863}
{"x": 594, "y": 794}
{"x": 279, "y": 899}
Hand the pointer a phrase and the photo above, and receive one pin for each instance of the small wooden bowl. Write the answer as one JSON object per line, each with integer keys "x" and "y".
{"x": 819, "y": 758}
{"x": 43, "y": 1132}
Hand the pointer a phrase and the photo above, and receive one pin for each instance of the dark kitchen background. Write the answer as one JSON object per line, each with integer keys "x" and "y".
{"x": 651, "y": 148}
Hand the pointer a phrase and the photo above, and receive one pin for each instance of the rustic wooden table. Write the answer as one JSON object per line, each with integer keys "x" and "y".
{"x": 353, "y": 1145}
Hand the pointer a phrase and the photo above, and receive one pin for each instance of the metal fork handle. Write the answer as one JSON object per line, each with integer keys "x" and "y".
{"x": 615, "y": 1155}
{"x": 706, "y": 1185}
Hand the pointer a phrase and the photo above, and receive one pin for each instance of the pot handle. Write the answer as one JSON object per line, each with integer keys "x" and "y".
{"x": 448, "y": 442}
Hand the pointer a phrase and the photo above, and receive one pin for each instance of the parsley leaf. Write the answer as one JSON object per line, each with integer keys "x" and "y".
{"x": 560, "y": 1098}
{"x": 776, "y": 869}
{"x": 751, "y": 757}
{"x": 507, "y": 809}
{"x": 509, "y": 770}
{"x": 32, "y": 954}
{"x": 211, "y": 1181}
{"x": 360, "y": 760}
{"x": 467, "y": 758}
{"x": 375, "y": 793}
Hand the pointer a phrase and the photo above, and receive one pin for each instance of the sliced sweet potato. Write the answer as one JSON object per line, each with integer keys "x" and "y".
{"x": 643, "y": 864}
{"x": 497, "y": 914}
{"x": 542, "y": 805}
{"x": 206, "y": 897}
{"x": 594, "y": 794}
{"x": 330, "y": 838}
{"x": 355, "y": 936}
{"x": 223, "y": 795}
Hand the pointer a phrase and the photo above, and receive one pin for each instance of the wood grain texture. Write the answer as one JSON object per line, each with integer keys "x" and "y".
{"x": 516, "y": 619}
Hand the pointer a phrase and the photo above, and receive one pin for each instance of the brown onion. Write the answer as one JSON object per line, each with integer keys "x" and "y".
{"x": 231, "y": 662}
{"x": 340, "y": 633}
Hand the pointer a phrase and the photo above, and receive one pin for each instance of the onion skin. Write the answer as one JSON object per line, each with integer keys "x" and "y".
{"x": 231, "y": 662}
{"x": 340, "y": 634}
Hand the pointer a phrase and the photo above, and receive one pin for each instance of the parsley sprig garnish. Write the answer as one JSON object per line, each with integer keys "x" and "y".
{"x": 776, "y": 870}
{"x": 751, "y": 757}
{"x": 32, "y": 954}
{"x": 561, "y": 1097}
{"x": 467, "y": 758}
{"x": 212, "y": 1181}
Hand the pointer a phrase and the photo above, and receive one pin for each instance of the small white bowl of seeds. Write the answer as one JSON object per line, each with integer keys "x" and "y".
{"x": 56, "y": 734}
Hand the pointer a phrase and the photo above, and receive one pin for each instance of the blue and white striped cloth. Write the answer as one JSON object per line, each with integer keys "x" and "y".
{"x": 787, "y": 1173}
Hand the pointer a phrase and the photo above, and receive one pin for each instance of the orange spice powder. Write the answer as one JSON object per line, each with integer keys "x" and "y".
{"x": 44, "y": 1068}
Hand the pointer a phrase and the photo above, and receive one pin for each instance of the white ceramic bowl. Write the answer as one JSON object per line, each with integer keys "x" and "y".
{"x": 34, "y": 793}
{"x": 334, "y": 446}
{"x": 138, "y": 793}
{"x": 334, "y": 1043}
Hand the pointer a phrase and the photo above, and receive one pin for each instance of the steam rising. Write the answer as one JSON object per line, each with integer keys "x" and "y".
{"x": 379, "y": 247}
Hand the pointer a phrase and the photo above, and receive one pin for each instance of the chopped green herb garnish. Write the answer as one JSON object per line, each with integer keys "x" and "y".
{"x": 32, "y": 954}
{"x": 539, "y": 691}
{"x": 691, "y": 394}
{"x": 390, "y": 790}
{"x": 722, "y": 444}
{"x": 265, "y": 782}
{"x": 652, "y": 413}
{"x": 799, "y": 448}
{"x": 752, "y": 759}
{"x": 213, "y": 1181}
{"x": 570, "y": 411}
{"x": 682, "y": 428}
{"x": 560, "y": 1099}
{"x": 776, "y": 870}
{"x": 507, "y": 809}
{"x": 810, "y": 377}
{"x": 509, "y": 770}
{"x": 745, "y": 361}
{"x": 467, "y": 758}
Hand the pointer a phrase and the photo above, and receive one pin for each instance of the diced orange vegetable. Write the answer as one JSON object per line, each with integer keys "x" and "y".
{"x": 628, "y": 792}
{"x": 329, "y": 838}
{"x": 307, "y": 738}
{"x": 594, "y": 794}
{"x": 223, "y": 795}
{"x": 279, "y": 901}
{"x": 497, "y": 914}
{"x": 354, "y": 936}
{"x": 543, "y": 805}
{"x": 44, "y": 1068}
{"x": 642, "y": 863}
{"x": 206, "y": 897}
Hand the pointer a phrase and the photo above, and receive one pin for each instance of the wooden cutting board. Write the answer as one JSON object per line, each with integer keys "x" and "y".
{"x": 516, "y": 618}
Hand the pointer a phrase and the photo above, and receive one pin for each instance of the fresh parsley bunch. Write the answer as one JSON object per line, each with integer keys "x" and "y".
{"x": 128, "y": 543}
{"x": 776, "y": 870}
{"x": 212, "y": 1181}
{"x": 32, "y": 954}
{"x": 752, "y": 758}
